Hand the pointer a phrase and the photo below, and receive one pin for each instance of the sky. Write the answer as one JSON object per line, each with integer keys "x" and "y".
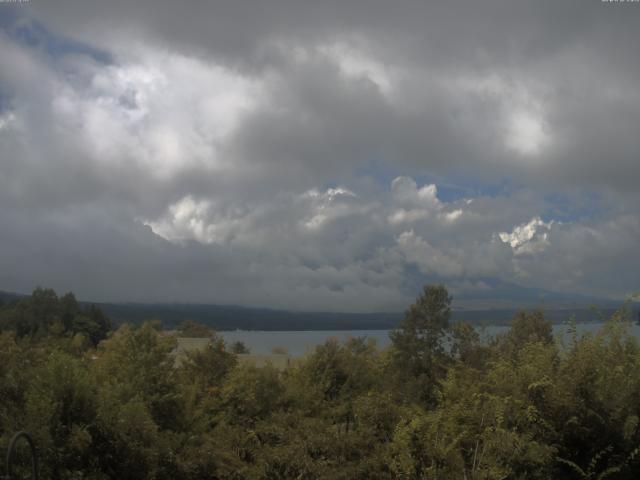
{"x": 328, "y": 156}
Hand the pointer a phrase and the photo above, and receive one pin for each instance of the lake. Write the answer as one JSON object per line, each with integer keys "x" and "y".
{"x": 299, "y": 343}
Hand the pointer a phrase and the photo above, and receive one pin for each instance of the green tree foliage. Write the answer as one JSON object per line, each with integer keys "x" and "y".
{"x": 60, "y": 410}
{"x": 419, "y": 355}
{"x": 192, "y": 329}
{"x": 528, "y": 327}
{"x": 136, "y": 362}
{"x": 250, "y": 394}
{"x": 208, "y": 367}
{"x": 43, "y": 314}
{"x": 467, "y": 347}
{"x": 439, "y": 403}
{"x": 239, "y": 348}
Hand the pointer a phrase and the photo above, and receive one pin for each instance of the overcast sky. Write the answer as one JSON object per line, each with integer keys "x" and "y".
{"x": 327, "y": 155}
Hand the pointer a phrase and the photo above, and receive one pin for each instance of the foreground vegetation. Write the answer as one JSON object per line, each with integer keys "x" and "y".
{"x": 437, "y": 404}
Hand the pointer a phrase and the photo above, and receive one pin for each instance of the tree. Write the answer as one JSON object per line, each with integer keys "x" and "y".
{"x": 139, "y": 361}
{"x": 526, "y": 327}
{"x": 418, "y": 350}
{"x": 206, "y": 369}
{"x": 43, "y": 314}
{"x": 60, "y": 410}
{"x": 92, "y": 323}
{"x": 192, "y": 329}
{"x": 34, "y": 315}
{"x": 467, "y": 347}
{"x": 250, "y": 393}
{"x": 239, "y": 347}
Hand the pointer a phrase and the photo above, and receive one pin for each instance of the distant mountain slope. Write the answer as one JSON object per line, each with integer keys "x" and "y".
{"x": 243, "y": 318}
{"x": 4, "y": 296}
{"x": 495, "y": 305}
{"x": 496, "y": 294}
{"x": 221, "y": 317}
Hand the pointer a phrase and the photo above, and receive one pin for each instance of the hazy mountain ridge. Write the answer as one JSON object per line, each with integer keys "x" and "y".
{"x": 498, "y": 310}
{"x": 9, "y": 296}
{"x": 244, "y": 318}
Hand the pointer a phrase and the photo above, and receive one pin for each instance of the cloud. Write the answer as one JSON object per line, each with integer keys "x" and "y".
{"x": 529, "y": 237}
{"x": 429, "y": 259}
{"x": 532, "y": 93}
{"x": 289, "y": 155}
{"x": 355, "y": 64}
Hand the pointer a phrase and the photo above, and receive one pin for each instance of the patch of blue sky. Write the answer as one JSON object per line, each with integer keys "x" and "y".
{"x": 24, "y": 30}
{"x": 577, "y": 207}
{"x": 450, "y": 189}
{"x": 561, "y": 206}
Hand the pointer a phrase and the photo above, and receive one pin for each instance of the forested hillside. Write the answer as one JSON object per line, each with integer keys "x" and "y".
{"x": 113, "y": 405}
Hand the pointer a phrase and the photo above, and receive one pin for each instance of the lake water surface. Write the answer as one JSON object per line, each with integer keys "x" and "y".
{"x": 298, "y": 343}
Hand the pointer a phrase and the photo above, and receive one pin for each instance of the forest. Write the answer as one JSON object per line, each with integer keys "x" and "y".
{"x": 439, "y": 403}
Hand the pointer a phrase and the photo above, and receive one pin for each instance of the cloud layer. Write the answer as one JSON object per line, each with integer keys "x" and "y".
{"x": 318, "y": 157}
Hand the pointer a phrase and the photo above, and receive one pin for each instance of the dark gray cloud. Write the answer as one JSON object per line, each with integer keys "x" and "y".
{"x": 275, "y": 153}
